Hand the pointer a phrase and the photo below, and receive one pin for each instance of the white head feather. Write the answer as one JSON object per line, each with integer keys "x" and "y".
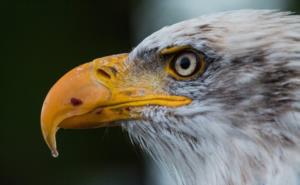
{"x": 243, "y": 126}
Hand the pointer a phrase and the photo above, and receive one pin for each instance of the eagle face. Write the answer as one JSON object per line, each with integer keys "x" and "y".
{"x": 214, "y": 100}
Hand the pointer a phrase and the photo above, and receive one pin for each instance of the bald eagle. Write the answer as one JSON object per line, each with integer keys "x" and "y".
{"x": 214, "y": 100}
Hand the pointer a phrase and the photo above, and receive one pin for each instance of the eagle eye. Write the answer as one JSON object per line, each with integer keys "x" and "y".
{"x": 186, "y": 65}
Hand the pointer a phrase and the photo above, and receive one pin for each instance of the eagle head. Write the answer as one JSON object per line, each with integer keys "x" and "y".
{"x": 214, "y": 100}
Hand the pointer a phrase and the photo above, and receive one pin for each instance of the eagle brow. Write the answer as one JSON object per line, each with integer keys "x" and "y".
{"x": 173, "y": 49}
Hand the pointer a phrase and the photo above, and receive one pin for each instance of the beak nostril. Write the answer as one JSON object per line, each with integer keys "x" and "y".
{"x": 103, "y": 73}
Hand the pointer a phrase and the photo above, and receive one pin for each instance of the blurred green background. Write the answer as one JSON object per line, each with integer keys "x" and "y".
{"x": 42, "y": 40}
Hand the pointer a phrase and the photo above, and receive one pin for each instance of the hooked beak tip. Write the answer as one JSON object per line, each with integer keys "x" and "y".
{"x": 50, "y": 138}
{"x": 54, "y": 153}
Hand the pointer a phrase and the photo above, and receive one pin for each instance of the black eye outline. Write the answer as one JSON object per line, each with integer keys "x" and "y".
{"x": 199, "y": 68}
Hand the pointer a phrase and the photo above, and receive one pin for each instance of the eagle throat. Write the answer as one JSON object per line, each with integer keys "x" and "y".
{"x": 206, "y": 150}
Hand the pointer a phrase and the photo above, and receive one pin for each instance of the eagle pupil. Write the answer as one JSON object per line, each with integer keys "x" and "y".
{"x": 185, "y": 63}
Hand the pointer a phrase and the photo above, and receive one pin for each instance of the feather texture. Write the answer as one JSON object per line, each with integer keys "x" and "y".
{"x": 243, "y": 126}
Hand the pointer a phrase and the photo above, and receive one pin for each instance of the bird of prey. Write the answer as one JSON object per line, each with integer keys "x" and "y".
{"x": 214, "y": 100}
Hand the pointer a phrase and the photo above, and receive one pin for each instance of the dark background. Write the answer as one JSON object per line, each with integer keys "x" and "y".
{"x": 40, "y": 41}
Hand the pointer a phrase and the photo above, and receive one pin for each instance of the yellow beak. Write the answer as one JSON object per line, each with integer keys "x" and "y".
{"x": 92, "y": 95}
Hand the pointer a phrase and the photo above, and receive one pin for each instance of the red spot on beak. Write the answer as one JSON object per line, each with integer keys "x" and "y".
{"x": 75, "y": 101}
